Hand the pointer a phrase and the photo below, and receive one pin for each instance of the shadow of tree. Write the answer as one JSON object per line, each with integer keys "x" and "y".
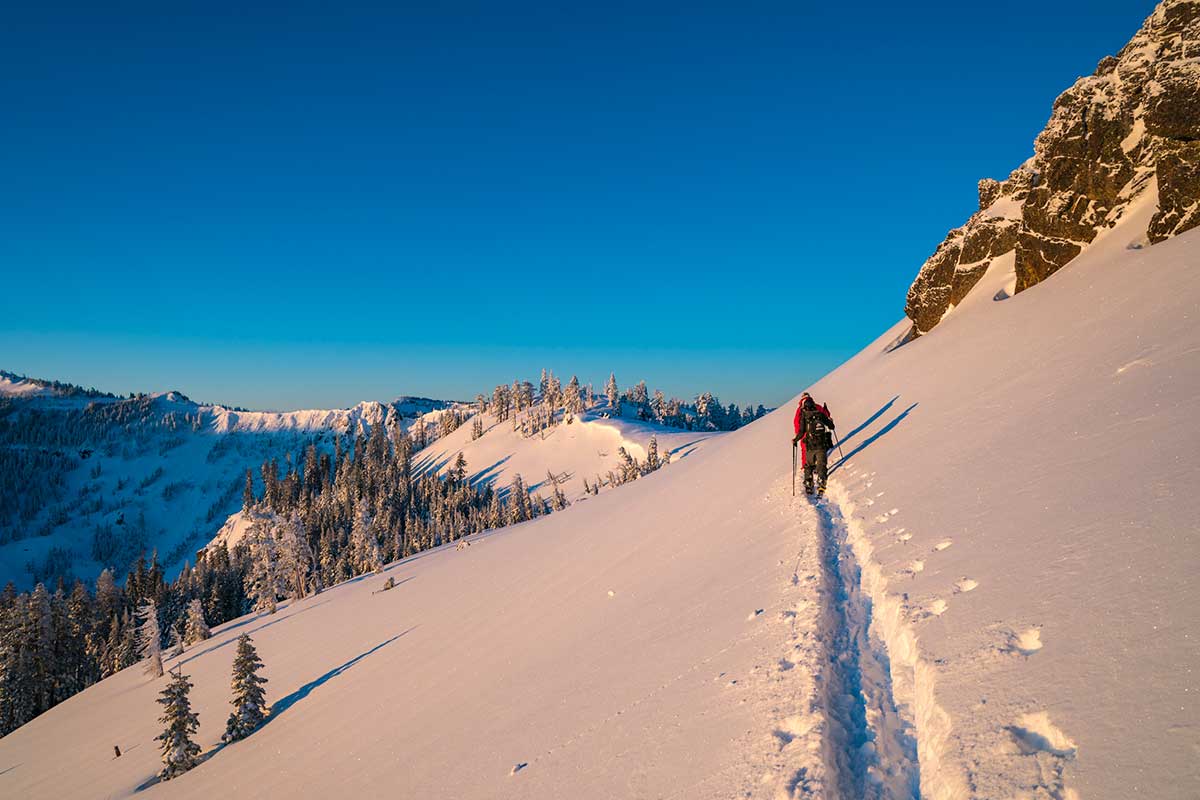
{"x": 284, "y": 703}
{"x": 232, "y": 639}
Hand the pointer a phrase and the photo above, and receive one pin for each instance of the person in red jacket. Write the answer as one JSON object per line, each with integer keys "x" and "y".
{"x": 814, "y": 433}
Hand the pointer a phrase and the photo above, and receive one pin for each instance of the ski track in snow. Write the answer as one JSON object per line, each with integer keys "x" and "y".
{"x": 831, "y": 727}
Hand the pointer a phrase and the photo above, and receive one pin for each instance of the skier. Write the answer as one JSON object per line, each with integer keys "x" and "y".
{"x": 814, "y": 428}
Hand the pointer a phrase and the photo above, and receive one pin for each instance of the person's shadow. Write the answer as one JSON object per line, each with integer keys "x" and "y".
{"x": 865, "y": 443}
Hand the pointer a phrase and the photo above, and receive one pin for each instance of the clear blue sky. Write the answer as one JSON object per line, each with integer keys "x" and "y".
{"x": 308, "y": 204}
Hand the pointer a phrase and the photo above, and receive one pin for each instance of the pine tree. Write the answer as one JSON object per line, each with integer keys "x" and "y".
{"x": 149, "y": 639}
{"x": 652, "y": 462}
{"x": 262, "y": 582}
{"x": 613, "y": 394}
{"x": 248, "y": 494}
{"x": 573, "y": 397}
{"x": 179, "y": 752}
{"x": 295, "y": 556}
{"x": 176, "y": 645}
{"x": 195, "y": 627}
{"x": 364, "y": 545}
{"x": 249, "y": 699}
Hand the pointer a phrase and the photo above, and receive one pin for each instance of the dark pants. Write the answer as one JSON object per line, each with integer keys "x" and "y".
{"x": 815, "y": 458}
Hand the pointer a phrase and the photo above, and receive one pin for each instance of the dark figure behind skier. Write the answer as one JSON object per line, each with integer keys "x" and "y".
{"x": 814, "y": 433}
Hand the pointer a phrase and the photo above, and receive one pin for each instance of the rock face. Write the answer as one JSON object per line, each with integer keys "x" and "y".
{"x": 1131, "y": 125}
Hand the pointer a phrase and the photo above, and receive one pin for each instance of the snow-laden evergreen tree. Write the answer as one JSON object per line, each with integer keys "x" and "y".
{"x": 195, "y": 627}
{"x": 458, "y": 473}
{"x": 149, "y": 639}
{"x": 518, "y": 501}
{"x": 629, "y": 468}
{"x": 364, "y": 545}
{"x": 263, "y": 582}
{"x": 175, "y": 647}
{"x": 658, "y": 406}
{"x": 652, "y": 462}
{"x": 573, "y": 397}
{"x": 613, "y": 394}
{"x": 179, "y": 752}
{"x": 249, "y": 698}
{"x": 638, "y": 395}
{"x": 558, "y": 501}
{"x": 296, "y": 559}
{"x": 248, "y": 494}
{"x": 476, "y": 428}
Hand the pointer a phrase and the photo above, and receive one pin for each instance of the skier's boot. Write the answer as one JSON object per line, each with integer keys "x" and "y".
{"x": 808, "y": 488}
{"x": 821, "y": 491}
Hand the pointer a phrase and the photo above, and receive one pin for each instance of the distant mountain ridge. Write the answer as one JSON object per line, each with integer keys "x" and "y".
{"x": 89, "y": 479}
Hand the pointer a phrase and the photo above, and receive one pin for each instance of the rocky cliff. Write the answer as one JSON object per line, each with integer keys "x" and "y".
{"x": 1132, "y": 125}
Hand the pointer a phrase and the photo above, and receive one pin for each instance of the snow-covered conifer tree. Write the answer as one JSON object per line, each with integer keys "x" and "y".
{"x": 658, "y": 406}
{"x": 179, "y": 752}
{"x": 629, "y": 467}
{"x": 195, "y": 627}
{"x": 652, "y": 462}
{"x": 149, "y": 639}
{"x": 573, "y": 397}
{"x": 613, "y": 394}
{"x": 263, "y": 581}
{"x": 364, "y": 546}
{"x": 249, "y": 698}
{"x": 176, "y": 643}
{"x": 248, "y": 494}
{"x": 295, "y": 556}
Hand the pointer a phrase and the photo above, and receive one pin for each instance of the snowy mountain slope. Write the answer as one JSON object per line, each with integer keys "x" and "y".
{"x": 583, "y": 449}
{"x": 156, "y": 472}
{"x": 1024, "y": 502}
{"x": 1016, "y": 501}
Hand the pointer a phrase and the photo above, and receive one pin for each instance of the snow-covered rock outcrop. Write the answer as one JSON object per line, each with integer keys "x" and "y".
{"x": 1110, "y": 136}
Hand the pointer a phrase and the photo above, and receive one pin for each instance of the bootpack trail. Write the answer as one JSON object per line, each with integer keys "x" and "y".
{"x": 838, "y": 728}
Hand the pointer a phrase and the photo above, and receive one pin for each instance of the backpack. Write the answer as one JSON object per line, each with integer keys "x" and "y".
{"x": 816, "y": 425}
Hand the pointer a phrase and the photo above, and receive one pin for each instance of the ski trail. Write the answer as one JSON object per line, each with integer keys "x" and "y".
{"x": 844, "y": 735}
{"x": 876, "y": 755}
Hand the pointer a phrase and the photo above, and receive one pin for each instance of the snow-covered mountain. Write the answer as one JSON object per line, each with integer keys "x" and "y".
{"x": 994, "y": 603}
{"x": 90, "y": 480}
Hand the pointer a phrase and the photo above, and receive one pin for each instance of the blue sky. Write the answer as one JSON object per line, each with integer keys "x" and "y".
{"x": 308, "y": 204}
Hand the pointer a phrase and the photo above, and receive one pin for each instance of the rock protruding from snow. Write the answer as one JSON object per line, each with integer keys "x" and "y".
{"x": 1134, "y": 120}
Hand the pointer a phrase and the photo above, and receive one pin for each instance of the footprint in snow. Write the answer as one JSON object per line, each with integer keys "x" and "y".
{"x": 915, "y": 566}
{"x": 965, "y": 584}
{"x": 942, "y": 545}
{"x": 518, "y": 767}
{"x": 1027, "y": 642}
{"x": 938, "y": 607}
{"x": 750, "y": 617}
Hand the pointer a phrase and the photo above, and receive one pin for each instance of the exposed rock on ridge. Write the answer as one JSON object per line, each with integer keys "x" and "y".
{"x": 1134, "y": 120}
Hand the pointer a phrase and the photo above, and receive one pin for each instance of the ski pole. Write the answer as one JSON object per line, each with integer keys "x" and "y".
{"x": 838, "y": 440}
{"x": 793, "y": 469}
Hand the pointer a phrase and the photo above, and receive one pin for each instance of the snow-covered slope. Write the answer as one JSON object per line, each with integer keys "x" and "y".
{"x": 1018, "y": 500}
{"x": 584, "y": 449}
